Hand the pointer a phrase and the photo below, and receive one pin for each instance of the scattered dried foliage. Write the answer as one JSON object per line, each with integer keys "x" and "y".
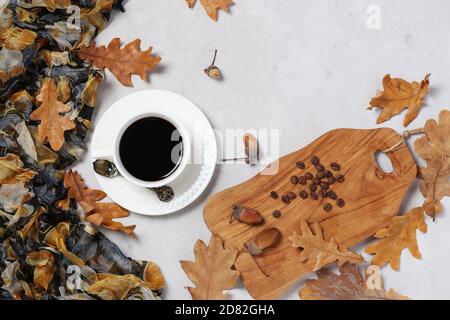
{"x": 399, "y": 94}
{"x": 122, "y": 62}
{"x": 212, "y": 271}
{"x": 434, "y": 148}
{"x": 348, "y": 285}
{"x": 323, "y": 252}
{"x": 400, "y": 234}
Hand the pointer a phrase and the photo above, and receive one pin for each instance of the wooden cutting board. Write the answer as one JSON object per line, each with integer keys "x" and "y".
{"x": 372, "y": 198}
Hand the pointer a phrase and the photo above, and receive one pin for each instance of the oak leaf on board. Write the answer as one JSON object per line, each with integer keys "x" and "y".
{"x": 122, "y": 62}
{"x": 434, "y": 148}
{"x": 212, "y": 271}
{"x": 400, "y": 234}
{"x": 212, "y": 6}
{"x": 348, "y": 285}
{"x": 315, "y": 247}
{"x": 399, "y": 94}
{"x": 98, "y": 213}
{"x": 44, "y": 265}
{"x": 53, "y": 123}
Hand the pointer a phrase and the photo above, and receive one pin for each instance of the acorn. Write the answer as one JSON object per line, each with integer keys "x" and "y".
{"x": 266, "y": 239}
{"x": 246, "y": 215}
{"x": 213, "y": 71}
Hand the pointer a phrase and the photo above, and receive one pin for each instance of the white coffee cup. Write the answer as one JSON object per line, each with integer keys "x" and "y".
{"x": 113, "y": 154}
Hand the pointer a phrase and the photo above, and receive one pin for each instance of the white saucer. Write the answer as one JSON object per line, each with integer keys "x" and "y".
{"x": 192, "y": 181}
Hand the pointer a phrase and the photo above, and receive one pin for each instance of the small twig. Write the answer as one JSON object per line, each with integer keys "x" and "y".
{"x": 215, "y": 55}
{"x": 406, "y": 135}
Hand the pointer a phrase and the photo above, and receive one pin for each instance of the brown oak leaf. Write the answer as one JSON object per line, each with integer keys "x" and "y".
{"x": 53, "y": 123}
{"x": 77, "y": 190}
{"x": 348, "y": 285}
{"x": 98, "y": 213}
{"x": 315, "y": 247}
{"x": 434, "y": 148}
{"x": 400, "y": 234}
{"x": 399, "y": 94}
{"x": 12, "y": 170}
{"x": 122, "y": 62}
{"x": 211, "y": 272}
{"x": 212, "y": 6}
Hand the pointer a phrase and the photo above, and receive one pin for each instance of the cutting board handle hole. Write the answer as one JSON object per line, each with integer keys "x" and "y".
{"x": 383, "y": 162}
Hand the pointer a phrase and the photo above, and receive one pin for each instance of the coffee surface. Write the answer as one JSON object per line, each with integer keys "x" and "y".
{"x": 151, "y": 149}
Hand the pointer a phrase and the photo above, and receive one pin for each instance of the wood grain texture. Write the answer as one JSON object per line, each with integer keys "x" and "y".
{"x": 372, "y": 198}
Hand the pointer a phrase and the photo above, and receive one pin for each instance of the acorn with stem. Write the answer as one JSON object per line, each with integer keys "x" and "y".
{"x": 213, "y": 71}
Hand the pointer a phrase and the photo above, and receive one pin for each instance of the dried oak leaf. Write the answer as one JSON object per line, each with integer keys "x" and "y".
{"x": 434, "y": 147}
{"x": 45, "y": 267}
{"x": 400, "y": 234}
{"x": 315, "y": 247}
{"x": 212, "y": 6}
{"x": 77, "y": 190}
{"x": 212, "y": 271}
{"x": 12, "y": 170}
{"x": 98, "y": 213}
{"x": 348, "y": 285}
{"x": 399, "y": 94}
{"x": 53, "y": 123}
{"x": 122, "y": 62}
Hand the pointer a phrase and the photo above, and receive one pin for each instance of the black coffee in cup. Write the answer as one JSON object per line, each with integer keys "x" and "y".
{"x": 151, "y": 149}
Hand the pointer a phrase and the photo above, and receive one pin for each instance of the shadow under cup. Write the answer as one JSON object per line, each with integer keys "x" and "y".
{"x": 151, "y": 149}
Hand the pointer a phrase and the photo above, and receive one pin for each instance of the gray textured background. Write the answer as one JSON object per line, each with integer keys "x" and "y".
{"x": 303, "y": 67}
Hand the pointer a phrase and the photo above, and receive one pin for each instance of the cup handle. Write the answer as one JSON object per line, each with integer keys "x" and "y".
{"x": 105, "y": 154}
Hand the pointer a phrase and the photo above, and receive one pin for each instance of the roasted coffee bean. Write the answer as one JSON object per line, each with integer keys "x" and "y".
{"x": 332, "y": 195}
{"x": 303, "y": 194}
{"x": 316, "y": 181}
{"x": 340, "y": 178}
{"x": 313, "y": 187}
{"x": 328, "y": 173}
{"x": 335, "y": 166}
{"x": 300, "y": 165}
{"x": 322, "y": 193}
{"x": 320, "y": 167}
{"x": 285, "y": 199}
{"x": 291, "y": 195}
{"x": 276, "y": 214}
{"x": 327, "y": 207}
{"x": 315, "y": 160}
{"x": 331, "y": 180}
{"x": 320, "y": 175}
{"x": 308, "y": 176}
{"x": 302, "y": 180}
{"x": 314, "y": 196}
{"x": 274, "y": 195}
{"x": 324, "y": 185}
{"x": 340, "y": 203}
{"x": 294, "y": 179}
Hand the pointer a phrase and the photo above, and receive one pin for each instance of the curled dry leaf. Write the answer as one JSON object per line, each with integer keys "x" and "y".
{"x": 434, "y": 148}
{"x": 315, "y": 247}
{"x": 400, "y": 234}
{"x": 212, "y": 271}
{"x": 115, "y": 287}
{"x": 153, "y": 276}
{"x": 122, "y": 62}
{"x": 212, "y": 7}
{"x": 12, "y": 170}
{"x": 44, "y": 263}
{"x": 399, "y": 94}
{"x": 50, "y": 114}
{"x": 98, "y": 213}
{"x": 265, "y": 239}
{"x": 16, "y": 38}
{"x": 348, "y": 285}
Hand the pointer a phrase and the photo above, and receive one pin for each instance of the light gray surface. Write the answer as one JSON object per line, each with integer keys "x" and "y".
{"x": 304, "y": 67}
